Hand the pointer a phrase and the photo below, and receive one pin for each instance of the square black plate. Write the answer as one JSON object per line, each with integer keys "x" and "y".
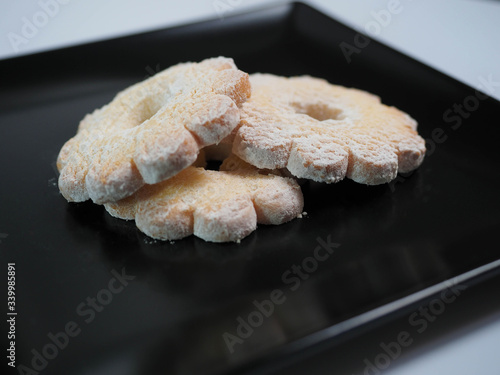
{"x": 183, "y": 302}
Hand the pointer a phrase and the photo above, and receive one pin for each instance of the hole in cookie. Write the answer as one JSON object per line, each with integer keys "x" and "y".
{"x": 144, "y": 110}
{"x": 318, "y": 111}
{"x": 146, "y": 113}
{"x": 213, "y": 165}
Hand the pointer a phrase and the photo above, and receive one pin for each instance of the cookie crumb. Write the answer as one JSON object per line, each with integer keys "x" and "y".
{"x": 52, "y": 182}
{"x": 238, "y": 240}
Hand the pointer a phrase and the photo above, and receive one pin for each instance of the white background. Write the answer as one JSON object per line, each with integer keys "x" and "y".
{"x": 459, "y": 38}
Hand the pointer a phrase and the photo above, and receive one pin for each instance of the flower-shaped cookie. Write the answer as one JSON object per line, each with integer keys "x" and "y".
{"x": 217, "y": 206}
{"x": 325, "y": 132}
{"x": 152, "y": 130}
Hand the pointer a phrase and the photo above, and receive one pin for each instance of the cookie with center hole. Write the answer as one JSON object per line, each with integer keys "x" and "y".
{"x": 152, "y": 130}
{"x": 217, "y": 206}
{"x": 324, "y": 132}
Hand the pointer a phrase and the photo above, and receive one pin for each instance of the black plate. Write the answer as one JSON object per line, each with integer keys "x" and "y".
{"x": 387, "y": 247}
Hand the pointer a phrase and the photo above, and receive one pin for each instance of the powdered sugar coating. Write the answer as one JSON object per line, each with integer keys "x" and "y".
{"x": 152, "y": 130}
{"x": 217, "y": 206}
{"x": 325, "y": 132}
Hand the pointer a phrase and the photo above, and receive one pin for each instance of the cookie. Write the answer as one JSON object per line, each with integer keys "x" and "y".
{"x": 217, "y": 206}
{"x": 152, "y": 130}
{"x": 325, "y": 132}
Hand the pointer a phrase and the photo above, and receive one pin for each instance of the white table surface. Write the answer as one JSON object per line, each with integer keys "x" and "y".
{"x": 458, "y": 37}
